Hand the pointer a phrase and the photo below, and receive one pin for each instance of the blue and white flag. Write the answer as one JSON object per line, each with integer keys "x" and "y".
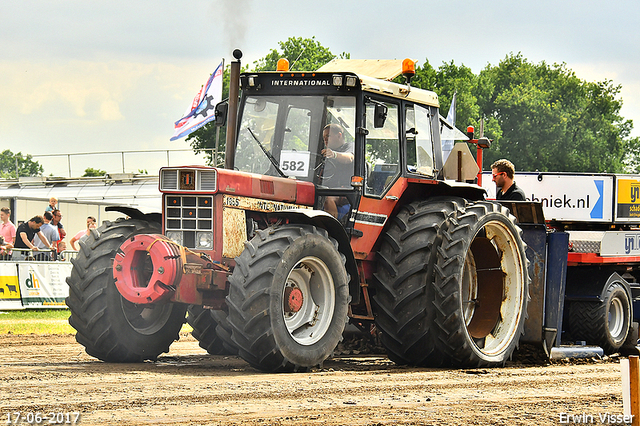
{"x": 202, "y": 109}
{"x": 447, "y": 145}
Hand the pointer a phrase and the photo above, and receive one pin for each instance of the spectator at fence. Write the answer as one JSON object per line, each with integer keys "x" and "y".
{"x": 27, "y": 230}
{"x": 8, "y": 232}
{"x": 62, "y": 246}
{"x": 53, "y": 204}
{"x": 91, "y": 223}
{"x": 5, "y": 249}
{"x": 57, "y": 217}
{"x": 51, "y": 232}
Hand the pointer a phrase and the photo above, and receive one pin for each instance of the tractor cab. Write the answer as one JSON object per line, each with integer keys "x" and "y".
{"x": 353, "y": 136}
{"x": 282, "y": 134}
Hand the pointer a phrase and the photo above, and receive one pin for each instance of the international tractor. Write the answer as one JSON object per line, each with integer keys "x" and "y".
{"x": 273, "y": 255}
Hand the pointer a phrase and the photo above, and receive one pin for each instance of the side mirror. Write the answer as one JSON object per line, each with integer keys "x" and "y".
{"x": 484, "y": 143}
{"x": 221, "y": 114}
{"x": 380, "y": 115}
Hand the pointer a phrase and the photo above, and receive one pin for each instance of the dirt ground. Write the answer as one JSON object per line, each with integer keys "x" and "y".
{"x": 53, "y": 374}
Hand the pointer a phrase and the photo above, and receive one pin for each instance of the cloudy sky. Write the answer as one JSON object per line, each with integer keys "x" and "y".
{"x": 80, "y": 77}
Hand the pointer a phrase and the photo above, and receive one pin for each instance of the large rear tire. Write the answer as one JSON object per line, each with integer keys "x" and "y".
{"x": 405, "y": 273}
{"x": 288, "y": 298}
{"x": 606, "y": 323}
{"x": 212, "y": 330}
{"x": 481, "y": 286}
{"x": 108, "y": 326}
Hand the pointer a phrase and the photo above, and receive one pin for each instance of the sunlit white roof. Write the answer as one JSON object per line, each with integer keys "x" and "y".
{"x": 140, "y": 192}
{"x": 375, "y": 76}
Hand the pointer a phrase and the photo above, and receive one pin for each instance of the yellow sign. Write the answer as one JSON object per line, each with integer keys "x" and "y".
{"x": 628, "y": 198}
{"x": 9, "y": 287}
{"x": 629, "y": 191}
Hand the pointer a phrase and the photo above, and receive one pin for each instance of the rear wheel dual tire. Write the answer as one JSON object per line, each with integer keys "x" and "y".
{"x": 212, "y": 330}
{"x": 481, "y": 286}
{"x": 404, "y": 278}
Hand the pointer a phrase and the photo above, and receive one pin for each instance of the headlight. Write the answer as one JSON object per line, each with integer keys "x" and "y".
{"x": 175, "y": 236}
{"x": 204, "y": 240}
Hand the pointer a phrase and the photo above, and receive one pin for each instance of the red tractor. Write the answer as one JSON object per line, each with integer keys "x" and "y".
{"x": 334, "y": 207}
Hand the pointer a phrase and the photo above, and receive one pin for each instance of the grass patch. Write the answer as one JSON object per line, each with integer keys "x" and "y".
{"x": 36, "y": 321}
{"x": 42, "y": 321}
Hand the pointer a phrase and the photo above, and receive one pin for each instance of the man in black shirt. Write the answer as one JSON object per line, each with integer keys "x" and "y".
{"x": 503, "y": 172}
{"x": 339, "y": 160}
{"x": 27, "y": 230}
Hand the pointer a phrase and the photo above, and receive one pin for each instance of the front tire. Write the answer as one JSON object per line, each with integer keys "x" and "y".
{"x": 110, "y": 327}
{"x": 288, "y": 298}
{"x": 481, "y": 286}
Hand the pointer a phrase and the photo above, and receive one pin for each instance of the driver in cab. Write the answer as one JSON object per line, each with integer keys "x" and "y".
{"x": 340, "y": 153}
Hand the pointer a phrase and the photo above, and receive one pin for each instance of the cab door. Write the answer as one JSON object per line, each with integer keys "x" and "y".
{"x": 383, "y": 185}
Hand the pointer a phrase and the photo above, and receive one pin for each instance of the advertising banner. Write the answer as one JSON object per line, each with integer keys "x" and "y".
{"x": 628, "y": 198}
{"x": 9, "y": 287}
{"x": 42, "y": 285}
{"x": 584, "y": 198}
{"x": 620, "y": 243}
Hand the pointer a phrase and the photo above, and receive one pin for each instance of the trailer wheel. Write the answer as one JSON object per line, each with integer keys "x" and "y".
{"x": 108, "y": 326}
{"x": 481, "y": 286}
{"x": 404, "y": 290}
{"x": 288, "y": 298}
{"x": 605, "y": 324}
{"x": 211, "y": 329}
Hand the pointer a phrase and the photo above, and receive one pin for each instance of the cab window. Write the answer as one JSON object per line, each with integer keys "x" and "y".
{"x": 382, "y": 151}
{"x": 419, "y": 140}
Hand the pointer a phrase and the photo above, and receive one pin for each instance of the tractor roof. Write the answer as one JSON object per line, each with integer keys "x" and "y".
{"x": 376, "y": 76}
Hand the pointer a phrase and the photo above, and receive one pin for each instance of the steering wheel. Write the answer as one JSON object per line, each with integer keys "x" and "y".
{"x": 327, "y": 169}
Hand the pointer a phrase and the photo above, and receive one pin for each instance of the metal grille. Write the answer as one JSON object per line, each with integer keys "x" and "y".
{"x": 192, "y": 216}
{"x": 169, "y": 179}
{"x": 207, "y": 180}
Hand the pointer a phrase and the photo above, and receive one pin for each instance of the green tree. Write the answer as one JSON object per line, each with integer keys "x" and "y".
{"x": 632, "y": 159}
{"x": 539, "y": 116}
{"x": 303, "y": 54}
{"x": 448, "y": 79}
{"x": 551, "y": 120}
{"x": 91, "y": 172}
{"x": 24, "y": 164}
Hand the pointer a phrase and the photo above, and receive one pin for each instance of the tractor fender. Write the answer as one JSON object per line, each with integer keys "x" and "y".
{"x": 324, "y": 220}
{"x": 135, "y": 213}
{"x": 590, "y": 284}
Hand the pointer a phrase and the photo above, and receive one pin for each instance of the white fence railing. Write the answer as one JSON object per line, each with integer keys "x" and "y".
{"x": 17, "y": 255}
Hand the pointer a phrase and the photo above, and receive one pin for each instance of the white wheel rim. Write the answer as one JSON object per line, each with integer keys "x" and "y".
{"x": 616, "y": 318}
{"x": 308, "y": 324}
{"x": 469, "y": 288}
{"x": 514, "y": 271}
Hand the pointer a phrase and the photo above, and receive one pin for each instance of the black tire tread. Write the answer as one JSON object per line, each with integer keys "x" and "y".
{"x": 403, "y": 281}
{"x": 249, "y": 296}
{"x": 93, "y": 294}
{"x": 209, "y": 330}
{"x": 452, "y": 340}
{"x": 588, "y": 322}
